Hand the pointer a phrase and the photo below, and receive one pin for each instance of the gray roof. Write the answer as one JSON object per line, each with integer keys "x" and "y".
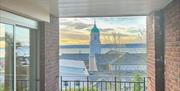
{"x": 132, "y": 59}
{"x": 102, "y": 59}
{"x": 78, "y": 57}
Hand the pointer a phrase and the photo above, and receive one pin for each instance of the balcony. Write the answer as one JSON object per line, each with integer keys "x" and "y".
{"x": 102, "y": 83}
{"x": 40, "y": 20}
{"x": 70, "y": 83}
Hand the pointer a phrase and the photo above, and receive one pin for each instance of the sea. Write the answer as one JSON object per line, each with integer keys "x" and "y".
{"x": 103, "y": 50}
{"x": 130, "y": 48}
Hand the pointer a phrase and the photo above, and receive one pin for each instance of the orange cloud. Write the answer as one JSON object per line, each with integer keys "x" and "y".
{"x": 73, "y": 41}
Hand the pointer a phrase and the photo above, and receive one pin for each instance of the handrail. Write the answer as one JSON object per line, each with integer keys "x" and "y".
{"x": 90, "y": 84}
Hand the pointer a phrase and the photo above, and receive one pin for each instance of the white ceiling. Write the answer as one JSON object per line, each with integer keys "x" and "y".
{"x": 82, "y": 8}
{"x": 50, "y": 6}
{"x": 90, "y": 8}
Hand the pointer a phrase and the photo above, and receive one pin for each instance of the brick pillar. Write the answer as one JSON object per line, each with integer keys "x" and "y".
{"x": 172, "y": 46}
{"x": 155, "y": 51}
{"x": 49, "y": 55}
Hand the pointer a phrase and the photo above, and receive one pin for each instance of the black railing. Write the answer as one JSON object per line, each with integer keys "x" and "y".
{"x": 89, "y": 84}
{"x": 22, "y": 85}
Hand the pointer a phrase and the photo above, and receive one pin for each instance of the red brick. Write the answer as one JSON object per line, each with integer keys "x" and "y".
{"x": 172, "y": 52}
{"x": 172, "y": 48}
{"x": 49, "y": 57}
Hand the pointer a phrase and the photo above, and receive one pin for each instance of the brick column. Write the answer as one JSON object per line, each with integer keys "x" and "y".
{"x": 169, "y": 21}
{"x": 155, "y": 51}
{"x": 172, "y": 46}
{"x": 49, "y": 55}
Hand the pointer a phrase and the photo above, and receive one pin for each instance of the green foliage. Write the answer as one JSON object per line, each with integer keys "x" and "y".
{"x": 137, "y": 78}
{"x": 1, "y": 87}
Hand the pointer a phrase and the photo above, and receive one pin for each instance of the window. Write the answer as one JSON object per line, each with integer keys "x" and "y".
{"x": 16, "y": 64}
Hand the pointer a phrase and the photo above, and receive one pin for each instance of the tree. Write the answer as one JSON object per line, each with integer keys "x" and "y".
{"x": 137, "y": 79}
{"x": 113, "y": 38}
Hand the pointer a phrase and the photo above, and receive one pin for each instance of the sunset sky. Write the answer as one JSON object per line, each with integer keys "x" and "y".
{"x": 76, "y": 31}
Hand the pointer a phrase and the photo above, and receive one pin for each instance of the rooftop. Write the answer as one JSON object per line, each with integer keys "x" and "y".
{"x": 101, "y": 59}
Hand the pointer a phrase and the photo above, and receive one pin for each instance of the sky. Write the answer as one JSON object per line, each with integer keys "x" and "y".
{"x": 21, "y": 34}
{"x": 76, "y": 31}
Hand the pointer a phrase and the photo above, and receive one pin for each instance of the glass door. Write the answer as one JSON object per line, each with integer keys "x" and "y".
{"x": 14, "y": 58}
{"x": 18, "y": 53}
{"x": 22, "y": 43}
{"x": 6, "y": 57}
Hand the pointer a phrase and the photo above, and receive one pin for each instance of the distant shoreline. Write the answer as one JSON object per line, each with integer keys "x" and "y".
{"x": 135, "y": 45}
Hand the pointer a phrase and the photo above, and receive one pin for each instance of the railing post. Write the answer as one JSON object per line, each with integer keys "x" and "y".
{"x": 87, "y": 83}
{"x": 144, "y": 84}
{"x": 61, "y": 83}
{"x": 115, "y": 84}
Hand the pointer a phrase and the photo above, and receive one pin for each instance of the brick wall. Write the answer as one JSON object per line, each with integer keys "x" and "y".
{"x": 172, "y": 46}
{"x": 164, "y": 22}
{"x": 155, "y": 51}
{"x": 150, "y": 53}
{"x": 49, "y": 55}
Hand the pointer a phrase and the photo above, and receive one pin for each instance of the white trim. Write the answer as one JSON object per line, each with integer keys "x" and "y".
{"x": 11, "y": 18}
{"x": 18, "y": 21}
{"x": 34, "y": 65}
{"x": 14, "y": 60}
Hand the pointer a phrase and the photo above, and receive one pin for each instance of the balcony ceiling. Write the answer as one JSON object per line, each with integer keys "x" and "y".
{"x": 90, "y": 8}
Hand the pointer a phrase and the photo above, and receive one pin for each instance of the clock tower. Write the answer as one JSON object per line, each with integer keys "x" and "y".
{"x": 95, "y": 44}
{"x": 95, "y": 47}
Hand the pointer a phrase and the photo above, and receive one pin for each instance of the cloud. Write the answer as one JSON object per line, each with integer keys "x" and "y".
{"x": 107, "y": 30}
{"x": 74, "y": 36}
{"x": 73, "y": 42}
{"x": 82, "y": 25}
{"x": 115, "y": 33}
{"x": 77, "y": 30}
{"x": 76, "y": 25}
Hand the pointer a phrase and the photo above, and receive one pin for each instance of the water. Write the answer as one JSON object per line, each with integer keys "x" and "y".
{"x": 24, "y": 51}
{"x": 103, "y": 50}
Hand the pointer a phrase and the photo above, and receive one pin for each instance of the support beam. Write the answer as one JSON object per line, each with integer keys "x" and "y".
{"x": 49, "y": 55}
{"x": 155, "y": 50}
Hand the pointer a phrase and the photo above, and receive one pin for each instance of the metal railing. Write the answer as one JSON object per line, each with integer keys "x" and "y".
{"x": 89, "y": 84}
{"x": 22, "y": 85}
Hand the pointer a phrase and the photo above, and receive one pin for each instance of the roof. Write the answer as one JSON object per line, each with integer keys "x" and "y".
{"x": 76, "y": 57}
{"x": 132, "y": 59}
{"x": 106, "y": 59}
{"x": 100, "y": 58}
{"x": 103, "y": 59}
{"x": 71, "y": 67}
{"x": 72, "y": 63}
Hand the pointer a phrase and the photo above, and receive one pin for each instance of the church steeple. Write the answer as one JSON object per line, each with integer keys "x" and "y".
{"x": 95, "y": 29}
{"x": 95, "y": 47}
{"x": 95, "y": 44}
{"x": 94, "y": 22}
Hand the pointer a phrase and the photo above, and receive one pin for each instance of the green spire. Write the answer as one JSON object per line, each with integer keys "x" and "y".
{"x": 94, "y": 29}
